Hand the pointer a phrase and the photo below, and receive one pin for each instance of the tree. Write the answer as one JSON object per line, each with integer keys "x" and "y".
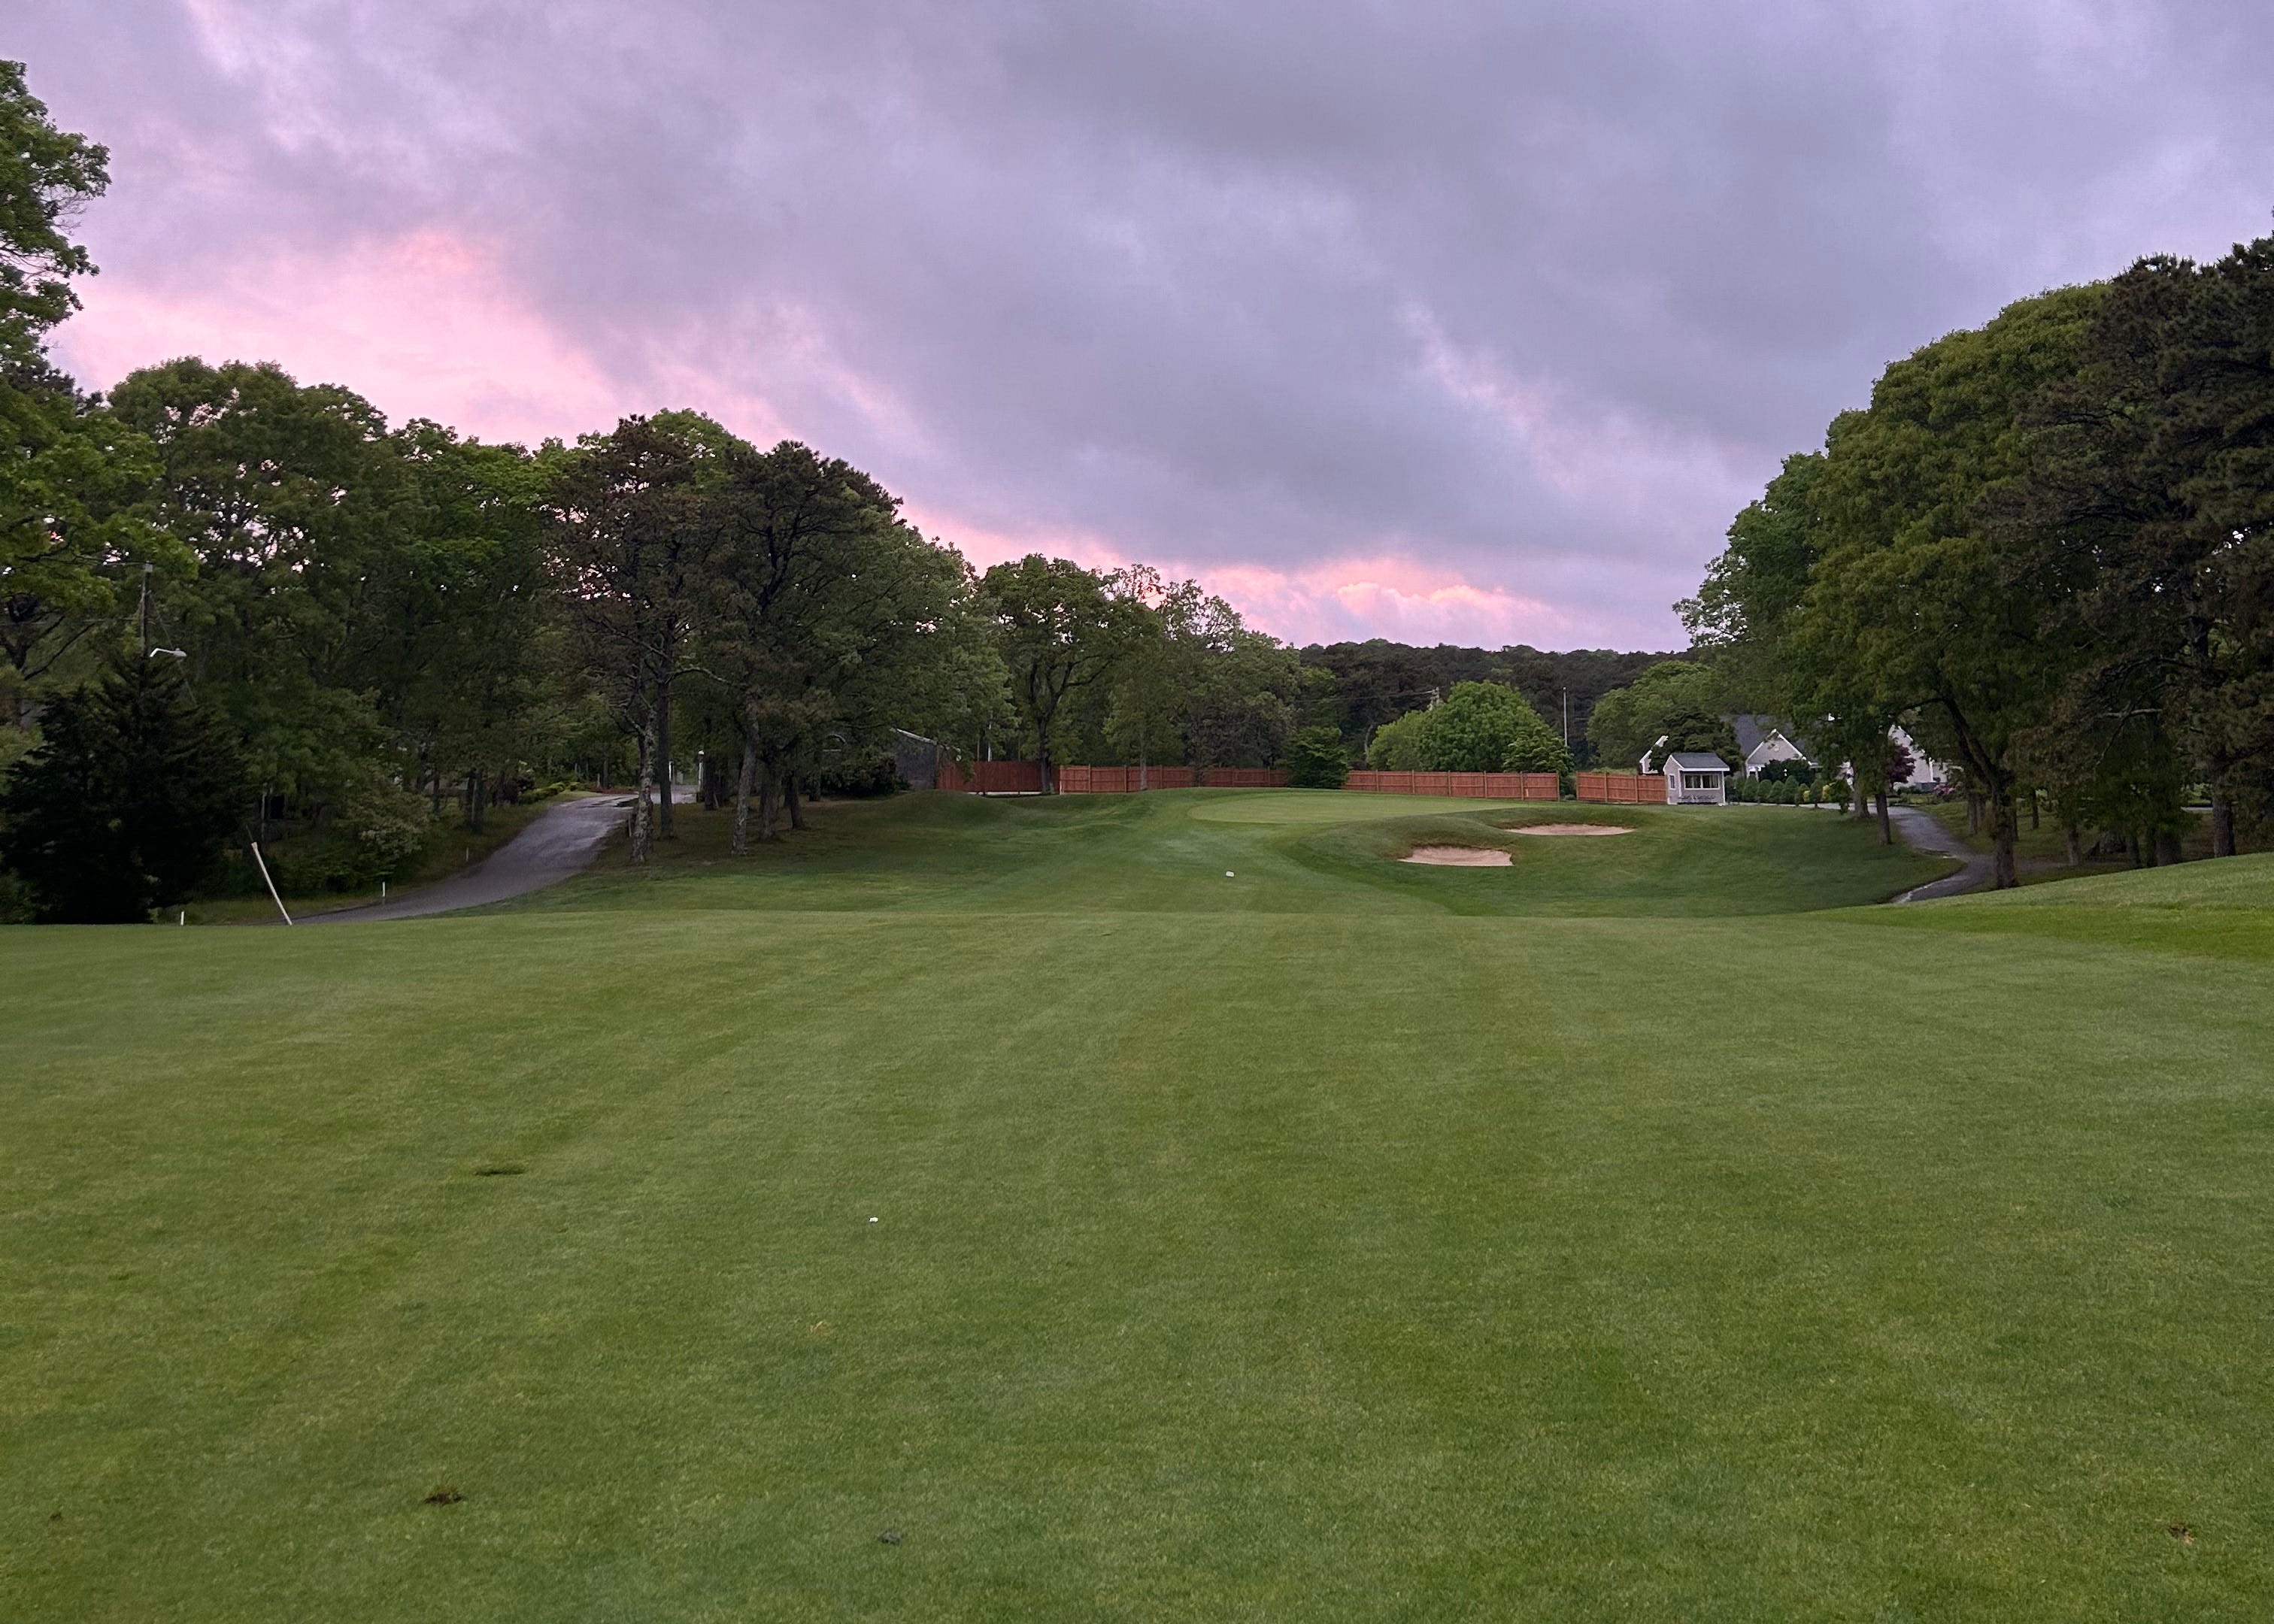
{"x": 126, "y": 800}
{"x": 1484, "y": 728}
{"x": 1915, "y": 597}
{"x": 472, "y": 636}
{"x": 295, "y": 505}
{"x": 2147, "y": 518}
{"x": 1400, "y": 746}
{"x": 70, "y": 474}
{"x": 633, "y": 555}
{"x": 1680, "y": 701}
{"x": 47, "y": 176}
{"x": 1317, "y": 759}
{"x": 832, "y": 618}
{"x": 1481, "y": 727}
{"x": 74, "y": 484}
{"x": 1060, "y": 630}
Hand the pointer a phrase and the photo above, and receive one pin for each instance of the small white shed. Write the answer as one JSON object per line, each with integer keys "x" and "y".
{"x": 1696, "y": 779}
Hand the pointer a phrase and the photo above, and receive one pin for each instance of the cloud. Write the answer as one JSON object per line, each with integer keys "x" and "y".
{"x": 1469, "y": 317}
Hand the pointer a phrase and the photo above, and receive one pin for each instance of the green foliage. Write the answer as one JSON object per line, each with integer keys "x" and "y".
{"x": 47, "y": 176}
{"x": 1317, "y": 760}
{"x": 1481, "y": 727}
{"x": 1400, "y": 746}
{"x": 126, "y": 800}
{"x": 1059, "y": 629}
{"x": 1680, "y": 700}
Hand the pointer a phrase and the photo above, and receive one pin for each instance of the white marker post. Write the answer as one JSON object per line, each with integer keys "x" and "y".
{"x": 273, "y": 897}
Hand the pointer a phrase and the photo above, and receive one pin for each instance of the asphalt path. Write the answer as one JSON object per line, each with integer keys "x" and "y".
{"x": 556, "y": 844}
{"x": 1923, "y": 833}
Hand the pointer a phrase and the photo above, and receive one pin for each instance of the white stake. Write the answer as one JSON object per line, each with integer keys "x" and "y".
{"x": 273, "y": 897}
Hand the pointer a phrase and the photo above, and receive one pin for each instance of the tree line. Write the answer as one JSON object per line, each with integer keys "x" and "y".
{"x": 236, "y": 607}
{"x": 2046, "y": 548}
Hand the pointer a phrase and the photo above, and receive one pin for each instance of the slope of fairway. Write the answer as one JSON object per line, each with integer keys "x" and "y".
{"x": 1288, "y": 851}
{"x": 1340, "y": 1257}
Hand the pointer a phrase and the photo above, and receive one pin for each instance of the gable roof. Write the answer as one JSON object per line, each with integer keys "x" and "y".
{"x": 1754, "y": 731}
{"x": 1696, "y": 761}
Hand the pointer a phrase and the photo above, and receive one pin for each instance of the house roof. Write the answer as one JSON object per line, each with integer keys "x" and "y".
{"x": 1754, "y": 731}
{"x": 1696, "y": 761}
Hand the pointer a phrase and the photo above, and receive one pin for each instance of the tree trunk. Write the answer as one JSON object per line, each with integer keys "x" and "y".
{"x": 662, "y": 762}
{"x": 2222, "y": 825}
{"x": 474, "y": 801}
{"x": 1973, "y": 813}
{"x": 2005, "y": 830}
{"x": 2167, "y": 849}
{"x": 643, "y": 824}
{"x": 1886, "y": 820}
{"x": 791, "y": 803}
{"x": 2075, "y": 844}
{"x": 2132, "y": 844}
{"x": 768, "y": 793}
{"x": 742, "y": 848}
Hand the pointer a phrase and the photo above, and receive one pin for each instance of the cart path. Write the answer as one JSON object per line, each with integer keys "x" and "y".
{"x": 1923, "y": 833}
{"x": 555, "y": 845}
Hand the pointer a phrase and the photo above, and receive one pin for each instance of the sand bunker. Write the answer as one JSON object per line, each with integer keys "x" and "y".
{"x": 1457, "y": 857}
{"x": 1570, "y": 828}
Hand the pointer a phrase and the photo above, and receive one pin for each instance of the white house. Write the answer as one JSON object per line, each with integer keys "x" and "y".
{"x": 1923, "y": 770}
{"x": 1763, "y": 740}
{"x": 1696, "y": 779}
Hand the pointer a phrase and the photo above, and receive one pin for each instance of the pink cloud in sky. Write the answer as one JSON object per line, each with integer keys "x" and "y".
{"x": 426, "y": 324}
{"x": 430, "y": 324}
{"x": 1334, "y": 600}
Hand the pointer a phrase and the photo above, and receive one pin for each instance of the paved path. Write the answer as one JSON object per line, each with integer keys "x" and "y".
{"x": 1923, "y": 833}
{"x": 557, "y": 844}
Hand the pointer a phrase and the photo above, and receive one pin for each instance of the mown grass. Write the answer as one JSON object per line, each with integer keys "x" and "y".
{"x": 1358, "y": 1244}
{"x": 1288, "y": 851}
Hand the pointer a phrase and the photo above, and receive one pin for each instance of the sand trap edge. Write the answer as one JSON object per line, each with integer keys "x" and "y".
{"x": 1458, "y": 857}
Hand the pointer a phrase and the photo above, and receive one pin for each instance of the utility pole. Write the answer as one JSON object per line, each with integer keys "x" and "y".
{"x": 1567, "y": 719}
{"x": 146, "y": 609}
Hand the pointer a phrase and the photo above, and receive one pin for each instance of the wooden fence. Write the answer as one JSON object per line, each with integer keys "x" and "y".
{"x": 1122, "y": 780}
{"x": 1478, "y": 786}
{"x": 992, "y": 778}
{"x": 1622, "y": 789}
{"x": 1006, "y": 778}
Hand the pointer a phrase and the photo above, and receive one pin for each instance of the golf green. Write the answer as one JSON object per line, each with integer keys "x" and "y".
{"x": 996, "y": 1210}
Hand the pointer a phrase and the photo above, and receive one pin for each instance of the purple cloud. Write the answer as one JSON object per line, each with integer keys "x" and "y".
{"x": 1470, "y": 320}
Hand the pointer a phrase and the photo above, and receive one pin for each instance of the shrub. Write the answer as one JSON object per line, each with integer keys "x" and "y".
{"x": 858, "y": 776}
{"x": 1317, "y": 759}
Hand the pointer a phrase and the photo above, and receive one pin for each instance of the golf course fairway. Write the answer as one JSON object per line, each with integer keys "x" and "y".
{"x": 1170, "y": 1207}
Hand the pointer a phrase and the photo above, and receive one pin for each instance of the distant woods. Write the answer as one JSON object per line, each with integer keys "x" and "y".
{"x": 2046, "y": 549}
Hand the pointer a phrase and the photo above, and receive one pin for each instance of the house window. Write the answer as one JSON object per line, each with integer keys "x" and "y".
{"x": 1698, "y": 780}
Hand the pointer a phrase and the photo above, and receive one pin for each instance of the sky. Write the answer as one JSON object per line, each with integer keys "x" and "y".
{"x": 1459, "y": 322}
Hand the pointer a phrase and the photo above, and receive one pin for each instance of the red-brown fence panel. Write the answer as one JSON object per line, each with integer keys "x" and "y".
{"x": 1247, "y": 778}
{"x": 1622, "y": 789}
{"x": 990, "y": 777}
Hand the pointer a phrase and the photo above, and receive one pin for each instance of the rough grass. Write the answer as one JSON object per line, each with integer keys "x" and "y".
{"x": 1346, "y": 1248}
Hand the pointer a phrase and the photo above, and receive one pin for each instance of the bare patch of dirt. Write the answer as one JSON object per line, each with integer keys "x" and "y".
{"x": 501, "y": 1169}
{"x": 1568, "y": 829}
{"x": 1457, "y": 857}
{"x": 444, "y": 1497}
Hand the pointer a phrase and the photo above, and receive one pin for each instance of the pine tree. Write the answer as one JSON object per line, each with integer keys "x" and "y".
{"x": 126, "y": 800}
